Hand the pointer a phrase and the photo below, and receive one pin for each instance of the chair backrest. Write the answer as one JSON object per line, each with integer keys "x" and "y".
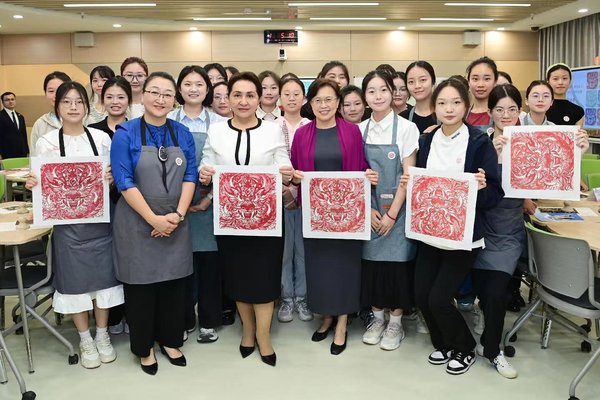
{"x": 561, "y": 264}
{"x": 589, "y": 166}
{"x": 589, "y": 156}
{"x": 19, "y": 162}
{"x": 593, "y": 180}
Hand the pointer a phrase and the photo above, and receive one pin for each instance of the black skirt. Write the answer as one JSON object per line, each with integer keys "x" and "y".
{"x": 251, "y": 267}
{"x": 387, "y": 284}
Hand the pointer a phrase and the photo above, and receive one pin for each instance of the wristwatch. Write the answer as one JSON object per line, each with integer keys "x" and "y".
{"x": 181, "y": 217}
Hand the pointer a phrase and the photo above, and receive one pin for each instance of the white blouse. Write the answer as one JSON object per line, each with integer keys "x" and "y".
{"x": 407, "y": 133}
{"x": 48, "y": 145}
{"x": 267, "y": 145}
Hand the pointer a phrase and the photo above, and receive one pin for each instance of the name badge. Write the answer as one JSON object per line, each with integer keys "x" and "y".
{"x": 566, "y": 118}
{"x": 391, "y": 155}
{"x": 386, "y": 196}
{"x": 178, "y": 161}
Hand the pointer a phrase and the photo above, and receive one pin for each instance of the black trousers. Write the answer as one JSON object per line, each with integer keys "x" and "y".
{"x": 155, "y": 313}
{"x": 492, "y": 289}
{"x": 205, "y": 289}
{"x": 438, "y": 276}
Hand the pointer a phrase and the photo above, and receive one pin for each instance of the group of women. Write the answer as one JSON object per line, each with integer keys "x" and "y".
{"x": 160, "y": 258}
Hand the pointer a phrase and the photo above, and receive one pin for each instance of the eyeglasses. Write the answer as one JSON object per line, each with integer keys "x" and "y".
{"x": 317, "y": 101}
{"x": 155, "y": 95}
{"x": 510, "y": 110}
{"x": 69, "y": 103}
{"x": 537, "y": 96}
{"x": 219, "y": 99}
{"x": 138, "y": 77}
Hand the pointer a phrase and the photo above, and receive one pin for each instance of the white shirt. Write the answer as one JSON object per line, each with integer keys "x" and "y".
{"x": 75, "y": 146}
{"x": 407, "y": 133}
{"x": 448, "y": 153}
{"x": 135, "y": 111}
{"x": 197, "y": 124}
{"x": 267, "y": 145}
{"x": 271, "y": 116}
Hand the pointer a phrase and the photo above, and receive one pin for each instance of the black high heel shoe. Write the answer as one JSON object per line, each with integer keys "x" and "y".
{"x": 319, "y": 336}
{"x": 179, "y": 361}
{"x": 151, "y": 369}
{"x": 270, "y": 359}
{"x": 337, "y": 349}
{"x": 245, "y": 351}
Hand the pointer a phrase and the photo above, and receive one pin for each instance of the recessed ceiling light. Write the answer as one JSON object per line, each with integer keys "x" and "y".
{"x": 583, "y": 10}
{"x": 489, "y": 4}
{"x": 91, "y": 5}
{"x": 17, "y": 16}
{"x": 347, "y": 19}
{"x": 401, "y": 28}
{"x": 298, "y": 28}
{"x": 117, "y": 25}
{"x": 458, "y": 19}
{"x": 501, "y": 28}
{"x": 193, "y": 28}
{"x": 233, "y": 19}
{"x": 330, "y": 4}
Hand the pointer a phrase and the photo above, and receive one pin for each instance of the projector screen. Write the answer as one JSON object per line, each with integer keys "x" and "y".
{"x": 585, "y": 92}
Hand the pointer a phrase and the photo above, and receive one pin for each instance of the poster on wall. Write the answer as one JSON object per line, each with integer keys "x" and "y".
{"x": 440, "y": 207}
{"x": 336, "y": 205}
{"x": 541, "y": 162}
{"x": 247, "y": 200}
{"x": 70, "y": 190}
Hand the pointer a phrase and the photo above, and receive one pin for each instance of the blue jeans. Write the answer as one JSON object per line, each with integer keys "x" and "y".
{"x": 293, "y": 274}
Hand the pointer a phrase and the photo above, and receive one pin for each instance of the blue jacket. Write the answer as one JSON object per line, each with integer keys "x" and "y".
{"x": 480, "y": 154}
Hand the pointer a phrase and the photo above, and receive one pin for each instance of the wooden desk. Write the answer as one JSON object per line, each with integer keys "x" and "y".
{"x": 588, "y": 229}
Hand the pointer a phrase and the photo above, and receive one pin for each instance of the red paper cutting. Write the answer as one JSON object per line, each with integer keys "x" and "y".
{"x": 542, "y": 161}
{"x": 337, "y": 205}
{"x": 248, "y": 201}
{"x": 72, "y": 190}
{"x": 439, "y": 207}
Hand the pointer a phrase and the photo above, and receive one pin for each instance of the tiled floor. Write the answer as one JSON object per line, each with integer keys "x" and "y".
{"x": 305, "y": 370}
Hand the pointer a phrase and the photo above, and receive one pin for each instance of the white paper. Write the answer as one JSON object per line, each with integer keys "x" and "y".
{"x": 585, "y": 212}
{"x": 7, "y": 226}
{"x": 81, "y": 200}
{"x": 247, "y": 200}
{"x": 540, "y": 160}
{"x": 440, "y": 208}
{"x": 339, "y": 206}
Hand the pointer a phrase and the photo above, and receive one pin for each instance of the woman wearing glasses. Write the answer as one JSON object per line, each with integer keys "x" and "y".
{"x": 135, "y": 70}
{"x": 220, "y": 103}
{"x": 401, "y": 95}
{"x": 155, "y": 171}
{"x": 333, "y": 267}
{"x": 84, "y": 276}
{"x": 252, "y": 264}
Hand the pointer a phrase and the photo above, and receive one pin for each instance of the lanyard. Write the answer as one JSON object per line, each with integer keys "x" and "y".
{"x": 61, "y": 141}
{"x": 163, "y": 155}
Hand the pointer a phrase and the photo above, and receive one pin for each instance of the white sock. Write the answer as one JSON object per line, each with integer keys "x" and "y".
{"x": 85, "y": 335}
{"x": 379, "y": 314}
{"x": 396, "y": 318}
{"x": 101, "y": 331}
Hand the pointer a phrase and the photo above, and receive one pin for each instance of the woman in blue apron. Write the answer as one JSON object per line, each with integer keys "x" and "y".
{"x": 420, "y": 81}
{"x": 84, "y": 276}
{"x": 195, "y": 93}
{"x": 391, "y": 144}
{"x": 155, "y": 170}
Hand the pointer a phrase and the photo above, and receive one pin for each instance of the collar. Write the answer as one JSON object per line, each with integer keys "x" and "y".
{"x": 460, "y": 133}
{"x": 385, "y": 123}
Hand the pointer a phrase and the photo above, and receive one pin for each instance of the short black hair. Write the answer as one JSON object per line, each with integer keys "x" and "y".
{"x": 501, "y": 91}
{"x": 270, "y": 74}
{"x": 293, "y": 79}
{"x": 104, "y": 71}
{"x": 200, "y": 71}
{"x": 245, "y": 76}
{"x": 460, "y": 87}
{"x": 320, "y": 83}
{"x": 6, "y": 94}
{"x": 120, "y": 82}
{"x": 56, "y": 75}
{"x": 422, "y": 64}
{"x": 483, "y": 60}
{"x": 345, "y": 91}
{"x": 539, "y": 82}
{"x": 67, "y": 86}
{"x": 134, "y": 60}
{"x": 331, "y": 65}
{"x": 218, "y": 67}
{"x": 160, "y": 74}
{"x": 378, "y": 73}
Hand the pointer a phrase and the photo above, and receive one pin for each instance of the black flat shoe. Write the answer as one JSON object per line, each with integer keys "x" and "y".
{"x": 245, "y": 351}
{"x": 271, "y": 359}
{"x": 179, "y": 361}
{"x": 151, "y": 369}
{"x": 319, "y": 336}
{"x": 337, "y": 349}
{"x": 228, "y": 318}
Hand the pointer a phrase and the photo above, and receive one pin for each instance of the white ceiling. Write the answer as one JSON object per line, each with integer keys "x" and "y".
{"x": 50, "y": 17}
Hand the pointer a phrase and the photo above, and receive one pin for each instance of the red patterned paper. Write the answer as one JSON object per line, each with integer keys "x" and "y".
{"x": 542, "y": 160}
{"x": 248, "y": 201}
{"x": 337, "y": 205}
{"x": 439, "y": 207}
{"x": 72, "y": 190}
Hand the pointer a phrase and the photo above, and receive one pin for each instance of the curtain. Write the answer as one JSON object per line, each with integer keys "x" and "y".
{"x": 574, "y": 43}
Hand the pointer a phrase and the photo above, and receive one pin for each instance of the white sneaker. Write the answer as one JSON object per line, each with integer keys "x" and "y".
{"x": 374, "y": 331}
{"x": 478, "y": 320}
{"x": 460, "y": 362}
{"x": 105, "y": 348}
{"x": 207, "y": 335}
{"x": 392, "y": 336}
{"x": 303, "y": 312}
{"x": 503, "y": 366}
{"x": 286, "y": 310}
{"x": 117, "y": 329}
{"x": 89, "y": 354}
{"x": 421, "y": 325}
